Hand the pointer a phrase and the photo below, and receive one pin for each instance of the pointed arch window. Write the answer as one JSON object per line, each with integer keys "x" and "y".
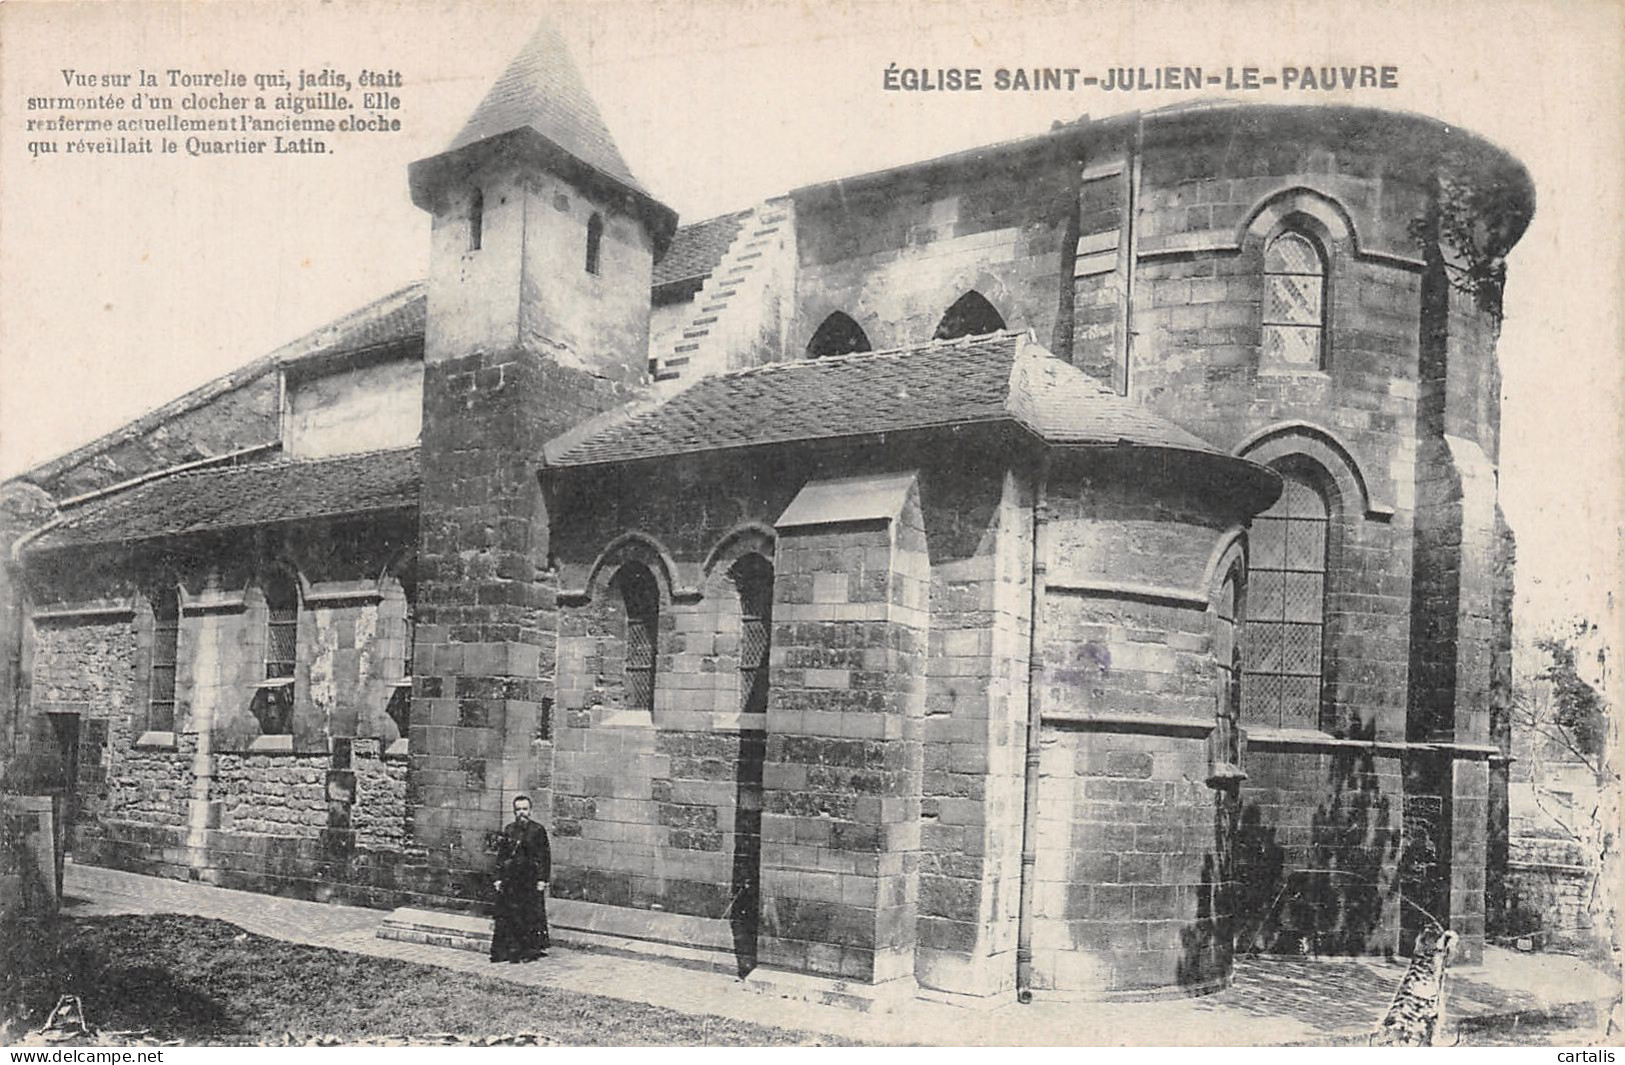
{"x": 640, "y": 601}
{"x": 595, "y": 241}
{"x": 1294, "y": 302}
{"x": 476, "y": 220}
{"x": 838, "y": 335}
{"x": 1286, "y": 608}
{"x": 753, "y": 577}
{"x": 166, "y": 627}
{"x": 971, "y": 315}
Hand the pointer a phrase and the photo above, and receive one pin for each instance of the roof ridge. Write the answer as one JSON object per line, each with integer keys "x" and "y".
{"x": 278, "y": 463}
{"x": 918, "y": 348}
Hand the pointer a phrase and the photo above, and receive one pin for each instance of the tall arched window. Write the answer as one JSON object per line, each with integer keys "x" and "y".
{"x": 640, "y": 600}
{"x": 971, "y": 315}
{"x": 1294, "y": 302}
{"x": 753, "y": 577}
{"x": 275, "y": 706}
{"x": 166, "y": 626}
{"x": 476, "y": 220}
{"x": 1286, "y": 608}
{"x": 838, "y": 335}
{"x": 1225, "y": 754}
{"x": 595, "y": 241}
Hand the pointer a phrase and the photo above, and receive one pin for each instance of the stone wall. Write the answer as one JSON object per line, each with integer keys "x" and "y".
{"x": 1133, "y": 890}
{"x": 152, "y": 785}
{"x": 896, "y": 255}
{"x": 272, "y": 795}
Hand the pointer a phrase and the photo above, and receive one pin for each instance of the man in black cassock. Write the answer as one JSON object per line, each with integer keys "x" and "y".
{"x": 524, "y": 864}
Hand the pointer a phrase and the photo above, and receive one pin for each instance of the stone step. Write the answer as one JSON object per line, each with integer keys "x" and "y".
{"x": 693, "y": 942}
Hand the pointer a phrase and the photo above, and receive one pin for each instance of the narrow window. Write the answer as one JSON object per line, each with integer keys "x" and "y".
{"x": 399, "y": 707}
{"x": 1286, "y": 609}
{"x": 838, "y": 335}
{"x": 476, "y": 220}
{"x": 1227, "y": 660}
{"x": 1294, "y": 302}
{"x": 970, "y": 316}
{"x": 753, "y": 577}
{"x": 274, "y": 708}
{"x": 166, "y": 624}
{"x": 640, "y": 599}
{"x": 595, "y": 241}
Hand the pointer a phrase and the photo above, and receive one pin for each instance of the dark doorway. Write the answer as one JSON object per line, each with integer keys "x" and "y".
{"x": 66, "y": 727}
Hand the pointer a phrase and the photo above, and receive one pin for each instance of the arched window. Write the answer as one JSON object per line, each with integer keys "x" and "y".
{"x": 970, "y": 316}
{"x": 753, "y": 577}
{"x": 838, "y": 335}
{"x": 166, "y": 626}
{"x": 1286, "y": 608}
{"x": 640, "y": 600}
{"x": 1294, "y": 302}
{"x": 274, "y": 708}
{"x": 476, "y": 220}
{"x": 1225, "y": 755}
{"x": 595, "y": 241}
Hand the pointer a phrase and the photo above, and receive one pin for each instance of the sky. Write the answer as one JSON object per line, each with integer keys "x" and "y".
{"x": 126, "y": 280}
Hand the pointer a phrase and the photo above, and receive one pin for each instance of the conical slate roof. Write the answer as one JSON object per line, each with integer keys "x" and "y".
{"x": 543, "y": 91}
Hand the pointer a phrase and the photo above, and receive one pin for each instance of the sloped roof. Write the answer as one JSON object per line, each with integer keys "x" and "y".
{"x": 696, "y": 249}
{"x": 1000, "y": 377}
{"x": 542, "y": 90}
{"x": 236, "y": 496}
{"x": 395, "y": 318}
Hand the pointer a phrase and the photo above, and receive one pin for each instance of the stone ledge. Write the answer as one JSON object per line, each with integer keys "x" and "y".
{"x": 827, "y": 991}
{"x": 88, "y": 610}
{"x": 695, "y": 942}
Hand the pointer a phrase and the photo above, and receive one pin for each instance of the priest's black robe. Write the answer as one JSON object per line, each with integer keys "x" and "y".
{"x": 523, "y": 858}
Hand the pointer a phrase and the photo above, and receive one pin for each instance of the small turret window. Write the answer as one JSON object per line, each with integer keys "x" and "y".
{"x": 476, "y": 220}
{"x": 1294, "y": 303}
{"x": 595, "y": 241}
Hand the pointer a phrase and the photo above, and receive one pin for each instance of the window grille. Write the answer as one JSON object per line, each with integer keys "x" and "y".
{"x": 640, "y": 597}
{"x": 273, "y": 703}
{"x": 1286, "y": 609}
{"x": 753, "y": 576}
{"x": 1294, "y": 302}
{"x": 165, "y": 647}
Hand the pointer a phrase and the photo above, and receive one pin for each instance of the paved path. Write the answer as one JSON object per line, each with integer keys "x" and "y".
{"x": 1273, "y": 1001}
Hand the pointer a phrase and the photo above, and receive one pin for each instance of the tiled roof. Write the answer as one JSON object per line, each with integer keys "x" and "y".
{"x": 542, "y": 90}
{"x": 1001, "y": 377}
{"x": 696, "y": 249}
{"x": 236, "y": 496}
{"x": 394, "y": 318}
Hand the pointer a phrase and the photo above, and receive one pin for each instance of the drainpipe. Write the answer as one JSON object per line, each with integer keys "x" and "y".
{"x": 1131, "y": 249}
{"x": 1029, "y": 797}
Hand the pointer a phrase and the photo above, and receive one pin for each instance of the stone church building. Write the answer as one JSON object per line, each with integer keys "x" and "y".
{"x": 1048, "y": 569}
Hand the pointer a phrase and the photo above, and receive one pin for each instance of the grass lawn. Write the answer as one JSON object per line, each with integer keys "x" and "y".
{"x": 204, "y": 981}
